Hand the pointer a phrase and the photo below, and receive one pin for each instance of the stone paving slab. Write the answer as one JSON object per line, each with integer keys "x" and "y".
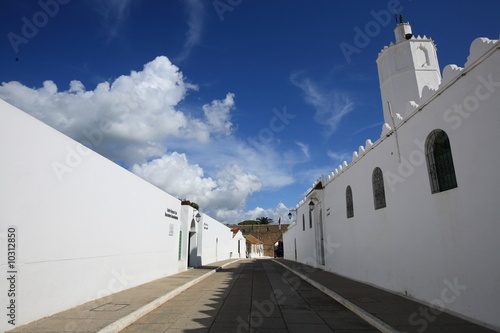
{"x": 113, "y": 312}
{"x": 377, "y": 306}
{"x": 196, "y": 308}
{"x": 221, "y": 305}
{"x": 254, "y": 296}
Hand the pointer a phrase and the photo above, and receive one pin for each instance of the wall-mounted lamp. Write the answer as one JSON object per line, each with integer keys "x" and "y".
{"x": 290, "y": 215}
{"x": 197, "y": 217}
{"x": 311, "y": 206}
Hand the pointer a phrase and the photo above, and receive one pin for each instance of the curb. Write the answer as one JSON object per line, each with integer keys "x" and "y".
{"x": 129, "y": 319}
{"x": 366, "y": 316}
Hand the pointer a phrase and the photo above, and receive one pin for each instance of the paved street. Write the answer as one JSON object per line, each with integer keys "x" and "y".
{"x": 251, "y": 296}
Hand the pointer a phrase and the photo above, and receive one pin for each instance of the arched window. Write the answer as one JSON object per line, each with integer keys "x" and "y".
{"x": 349, "y": 202}
{"x": 303, "y": 222}
{"x": 440, "y": 162}
{"x": 378, "y": 188}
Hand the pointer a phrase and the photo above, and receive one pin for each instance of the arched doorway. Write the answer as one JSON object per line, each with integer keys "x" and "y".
{"x": 192, "y": 246}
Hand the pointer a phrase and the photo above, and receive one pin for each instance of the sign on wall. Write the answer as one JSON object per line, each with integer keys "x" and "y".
{"x": 171, "y": 214}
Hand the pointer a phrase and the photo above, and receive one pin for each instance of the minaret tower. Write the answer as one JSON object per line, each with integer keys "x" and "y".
{"x": 404, "y": 69}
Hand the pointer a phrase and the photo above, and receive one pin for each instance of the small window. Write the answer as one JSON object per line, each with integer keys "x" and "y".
{"x": 378, "y": 188}
{"x": 349, "y": 202}
{"x": 303, "y": 222}
{"x": 310, "y": 219}
{"x": 440, "y": 162}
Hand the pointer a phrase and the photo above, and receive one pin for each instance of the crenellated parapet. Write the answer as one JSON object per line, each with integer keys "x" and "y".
{"x": 480, "y": 47}
{"x": 413, "y": 38}
{"x": 341, "y": 168}
{"x": 449, "y": 73}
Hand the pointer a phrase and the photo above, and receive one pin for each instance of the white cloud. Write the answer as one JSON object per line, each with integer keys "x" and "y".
{"x": 236, "y": 216}
{"x": 127, "y": 120}
{"x": 195, "y": 11}
{"x": 260, "y": 159}
{"x": 338, "y": 157}
{"x": 234, "y": 185}
{"x": 114, "y": 13}
{"x": 372, "y": 125}
{"x": 330, "y": 106}
{"x": 173, "y": 173}
{"x": 274, "y": 213}
{"x": 304, "y": 147}
{"x": 135, "y": 120}
{"x": 218, "y": 115}
{"x": 309, "y": 176}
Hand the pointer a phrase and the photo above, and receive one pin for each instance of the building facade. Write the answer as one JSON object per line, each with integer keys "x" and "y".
{"x": 255, "y": 247}
{"x": 268, "y": 234}
{"x": 76, "y": 227}
{"x": 417, "y": 211}
{"x": 239, "y": 244}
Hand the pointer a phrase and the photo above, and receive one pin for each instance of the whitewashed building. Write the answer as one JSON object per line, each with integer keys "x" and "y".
{"x": 255, "y": 247}
{"x": 239, "y": 244}
{"x": 418, "y": 210}
{"x": 80, "y": 227}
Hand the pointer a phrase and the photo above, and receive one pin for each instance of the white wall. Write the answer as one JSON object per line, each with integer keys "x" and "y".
{"x": 421, "y": 241}
{"x": 301, "y": 237}
{"x": 191, "y": 247}
{"x": 186, "y": 216}
{"x": 256, "y": 251}
{"x": 238, "y": 245}
{"x": 216, "y": 243}
{"x": 93, "y": 230}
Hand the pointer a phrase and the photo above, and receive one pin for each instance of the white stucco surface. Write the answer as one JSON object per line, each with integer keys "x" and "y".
{"x": 86, "y": 227}
{"x": 421, "y": 242}
{"x": 238, "y": 245}
{"x": 94, "y": 230}
{"x": 216, "y": 244}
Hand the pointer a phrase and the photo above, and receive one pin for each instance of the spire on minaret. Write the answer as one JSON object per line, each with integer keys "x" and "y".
{"x": 399, "y": 19}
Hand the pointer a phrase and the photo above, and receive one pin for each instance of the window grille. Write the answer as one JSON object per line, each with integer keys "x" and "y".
{"x": 378, "y": 188}
{"x": 440, "y": 162}
{"x": 180, "y": 244}
{"x": 349, "y": 202}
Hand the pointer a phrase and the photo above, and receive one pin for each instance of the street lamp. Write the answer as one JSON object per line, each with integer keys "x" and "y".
{"x": 197, "y": 217}
{"x": 311, "y": 206}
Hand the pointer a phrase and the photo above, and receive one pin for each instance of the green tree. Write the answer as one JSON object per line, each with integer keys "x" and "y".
{"x": 264, "y": 220}
{"x": 248, "y": 222}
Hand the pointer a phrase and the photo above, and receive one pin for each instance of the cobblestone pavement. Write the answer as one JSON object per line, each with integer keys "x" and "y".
{"x": 251, "y": 296}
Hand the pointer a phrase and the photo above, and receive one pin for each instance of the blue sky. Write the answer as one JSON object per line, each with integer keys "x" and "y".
{"x": 237, "y": 105}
